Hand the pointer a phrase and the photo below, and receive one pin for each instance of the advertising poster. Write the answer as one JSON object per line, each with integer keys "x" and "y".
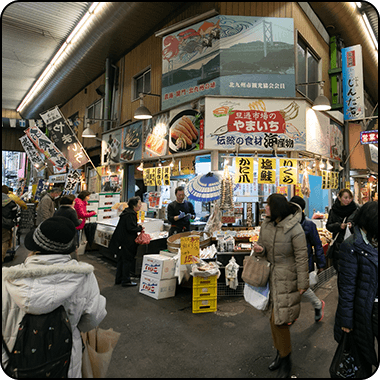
{"x": 111, "y": 147}
{"x": 254, "y": 124}
{"x": 156, "y": 141}
{"x": 229, "y": 55}
{"x": 131, "y": 142}
{"x": 353, "y": 83}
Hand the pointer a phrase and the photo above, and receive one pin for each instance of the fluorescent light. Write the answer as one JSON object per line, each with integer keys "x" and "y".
{"x": 70, "y": 40}
{"x": 370, "y": 31}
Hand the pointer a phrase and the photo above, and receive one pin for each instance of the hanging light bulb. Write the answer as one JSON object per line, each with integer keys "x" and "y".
{"x": 141, "y": 167}
{"x": 172, "y": 163}
{"x": 329, "y": 165}
{"x": 159, "y": 163}
{"x": 321, "y": 165}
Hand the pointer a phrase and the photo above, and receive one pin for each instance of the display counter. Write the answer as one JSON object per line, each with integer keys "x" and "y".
{"x": 154, "y": 227}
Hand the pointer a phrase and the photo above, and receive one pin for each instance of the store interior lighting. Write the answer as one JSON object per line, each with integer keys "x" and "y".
{"x": 329, "y": 165}
{"x": 88, "y": 132}
{"x": 68, "y": 44}
{"x": 142, "y": 113}
{"x": 172, "y": 163}
{"x": 321, "y": 103}
{"x": 321, "y": 165}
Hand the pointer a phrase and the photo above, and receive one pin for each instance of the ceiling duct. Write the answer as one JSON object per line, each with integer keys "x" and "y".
{"x": 114, "y": 31}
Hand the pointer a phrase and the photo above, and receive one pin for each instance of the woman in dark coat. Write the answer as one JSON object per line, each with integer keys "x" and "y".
{"x": 341, "y": 215}
{"x": 123, "y": 242}
{"x": 357, "y": 311}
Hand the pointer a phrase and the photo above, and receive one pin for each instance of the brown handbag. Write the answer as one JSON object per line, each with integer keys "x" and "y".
{"x": 255, "y": 270}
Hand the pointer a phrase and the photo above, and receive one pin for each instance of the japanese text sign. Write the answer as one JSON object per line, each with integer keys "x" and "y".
{"x": 252, "y": 121}
{"x": 32, "y": 153}
{"x": 72, "y": 181}
{"x": 64, "y": 138}
{"x": 189, "y": 248}
{"x": 46, "y": 146}
{"x": 159, "y": 176}
{"x": 267, "y": 170}
{"x": 244, "y": 170}
{"x": 166, "y": 175}
{"x": 369, "y": 137}
{"x": 288, "y": 171}
{"x": 353, "y": 84}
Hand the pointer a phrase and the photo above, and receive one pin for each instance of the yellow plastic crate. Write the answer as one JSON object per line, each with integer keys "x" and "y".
{"x": 204, "y": 292}
{"x": 204, "y": 281}
{"x": 204, "y": 305}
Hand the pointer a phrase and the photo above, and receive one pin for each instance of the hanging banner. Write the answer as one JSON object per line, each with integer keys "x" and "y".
{"x": 334, "y": 180}
{"x": 166, "y": 175}
{"x": 353, "y": 83}
{"x": 64, "y": 138}
{"x": 244, "y": 170}
{"x": 32, "y": 153}
{"x": 159, "y": 176}
{"x": 45, "y": 145}
{"x": 267, "y": 170}
{"x": 72, "y": 182}
{"x": 288, "y": 171}
{"x": 297, "y": 190}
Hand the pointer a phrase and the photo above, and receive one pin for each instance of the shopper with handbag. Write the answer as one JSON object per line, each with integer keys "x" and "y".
{"x": 340, "y": 216}
{"x": 123, "y": 242}
{"x": 282, "y": 242}
{"x": 357, "y": 311}
{"x": 313, "y": 241}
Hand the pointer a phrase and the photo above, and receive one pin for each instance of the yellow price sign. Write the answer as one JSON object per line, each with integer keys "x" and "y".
{"x": 189, "y": 248}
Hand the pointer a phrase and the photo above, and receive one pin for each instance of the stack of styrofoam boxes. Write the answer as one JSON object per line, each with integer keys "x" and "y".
{"x": 106, "y": 201}
{"x": 204, "y": 294}
{"x": 157, "y": 276}
{"x": 92, "y": 205}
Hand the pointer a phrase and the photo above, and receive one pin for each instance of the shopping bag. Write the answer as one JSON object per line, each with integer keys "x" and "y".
{"x": 98, "y": 347}
{"x": 313, "y": 277}
{"x": 331, "y": 248}
{"x": 347, "y": 233}
{"x": 143, "y": 238}
{"x": 346, "y": 362}
{"x": 258, "y": 297}
{"x": 82, "y": 243}
{"x": 255, "y": 270}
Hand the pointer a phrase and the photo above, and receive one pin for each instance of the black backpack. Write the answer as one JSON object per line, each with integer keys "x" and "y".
{"x": 9, "y": 214}
{"x": 42, "y": 348}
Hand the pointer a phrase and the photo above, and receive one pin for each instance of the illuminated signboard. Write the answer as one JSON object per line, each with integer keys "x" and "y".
{"x": 369, "y": 137}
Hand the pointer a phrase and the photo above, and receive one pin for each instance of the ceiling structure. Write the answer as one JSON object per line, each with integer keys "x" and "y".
{"x": 32, "y": 32}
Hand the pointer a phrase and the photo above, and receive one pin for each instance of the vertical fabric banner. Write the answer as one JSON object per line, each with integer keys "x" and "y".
{"x": 353, "y": 83}
{"x": 72, "y": 181}
{"x": 267, "y": 170}
{"x": 288, "y": 171}
{"x": 64, "y": 137}
{"x": 46, "y": 146}
{"x": 166, "y": 175}
{"x": 32, "y": 153}
{"x": 244, "y": 170}
{"x": 159, "y": 176}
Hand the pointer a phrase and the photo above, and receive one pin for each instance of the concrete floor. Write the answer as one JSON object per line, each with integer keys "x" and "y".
{"x": 163, "y": 338}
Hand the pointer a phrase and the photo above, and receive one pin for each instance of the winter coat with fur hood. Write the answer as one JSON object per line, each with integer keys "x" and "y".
{"x": 40, "y": 285}
{"x": 286, "y": 249}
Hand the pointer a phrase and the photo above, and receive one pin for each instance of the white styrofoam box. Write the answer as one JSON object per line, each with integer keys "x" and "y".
{"x": 103, "y": 235}
{"x": 92, "y": 206}
{"x": 92, "y": 219}
{"x": 153, "y": 225}
{"x": 94, "y": 197}
{"x": 106, "y": 213}
{"x": 158, "y": 266}
{"x": 157, "y": 289}
{"x": 167, "y": 253}
{"x": 108, "y": 199}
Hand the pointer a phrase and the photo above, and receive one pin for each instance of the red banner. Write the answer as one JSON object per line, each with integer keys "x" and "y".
{"x": 251, "y": 121}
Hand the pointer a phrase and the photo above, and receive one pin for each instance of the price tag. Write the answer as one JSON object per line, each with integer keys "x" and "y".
{"x": 189, "y": 248}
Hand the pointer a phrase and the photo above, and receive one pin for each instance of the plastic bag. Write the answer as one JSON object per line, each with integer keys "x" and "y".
{"x": 347, "y": 233}
{"x": 313, "y": 278}
{"x": 143, "y": 238}
{"x": 258, "y": 297}
{"x": 203, "y": 269}
{"x": 346, "y": 361}
{"x": 231, "y": 273}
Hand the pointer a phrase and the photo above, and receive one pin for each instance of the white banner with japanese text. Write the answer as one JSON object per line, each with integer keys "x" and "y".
{"x": 32, "y": 153}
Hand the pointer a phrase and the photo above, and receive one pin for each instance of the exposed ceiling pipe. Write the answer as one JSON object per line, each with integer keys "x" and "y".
{"x": 92, "y": 44}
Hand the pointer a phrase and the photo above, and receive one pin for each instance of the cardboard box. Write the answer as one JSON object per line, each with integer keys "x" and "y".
{"x": 157, "y": 289}
{"x": 158, "y": 266}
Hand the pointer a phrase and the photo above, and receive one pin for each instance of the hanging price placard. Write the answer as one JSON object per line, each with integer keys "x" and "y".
{"x": 288, "y": 171}
{"x": 244, "y": 170}
{"x": 159, "y": 175}
{"x": 267, "y": 170}
{"x": 189, "y": 248}
{"x": 166, "y": 175}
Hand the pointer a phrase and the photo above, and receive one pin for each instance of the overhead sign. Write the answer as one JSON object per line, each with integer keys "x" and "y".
{"x": 288, "y": 171}
{"x": 64, "y": 137}
{"x": 46, "y": 146}
{"x": 32, "y": 153}
{"x": 267, "y": 170}
{"x": 369, "y": 137}
{"x": 353, "y": 83}
{"x": 244, "y": 170}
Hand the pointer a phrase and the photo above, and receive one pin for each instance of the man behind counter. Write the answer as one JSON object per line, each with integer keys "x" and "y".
{"x": 180, "y": 212}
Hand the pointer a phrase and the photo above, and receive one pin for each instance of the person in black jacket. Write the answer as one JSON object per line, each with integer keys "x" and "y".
{"x": 180, "y": 212}
{"x": 67, "y": 210}
{"x": 357, "y": 311}
{"x": 123, "y": 242}
{"x": 341, "y": 215}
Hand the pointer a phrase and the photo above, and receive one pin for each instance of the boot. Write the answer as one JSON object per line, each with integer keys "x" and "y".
{"x": 276, "y": 362}
{"x": 285, "y": 368}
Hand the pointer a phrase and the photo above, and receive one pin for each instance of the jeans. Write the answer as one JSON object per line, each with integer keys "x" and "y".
{"x": 313, "y": 299}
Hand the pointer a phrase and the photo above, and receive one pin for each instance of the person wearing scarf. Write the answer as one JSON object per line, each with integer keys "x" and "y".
{"x": 341, "y": 215}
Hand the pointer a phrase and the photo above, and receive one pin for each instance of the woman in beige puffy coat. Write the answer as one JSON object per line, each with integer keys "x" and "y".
{"x": 282, "y": 241}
